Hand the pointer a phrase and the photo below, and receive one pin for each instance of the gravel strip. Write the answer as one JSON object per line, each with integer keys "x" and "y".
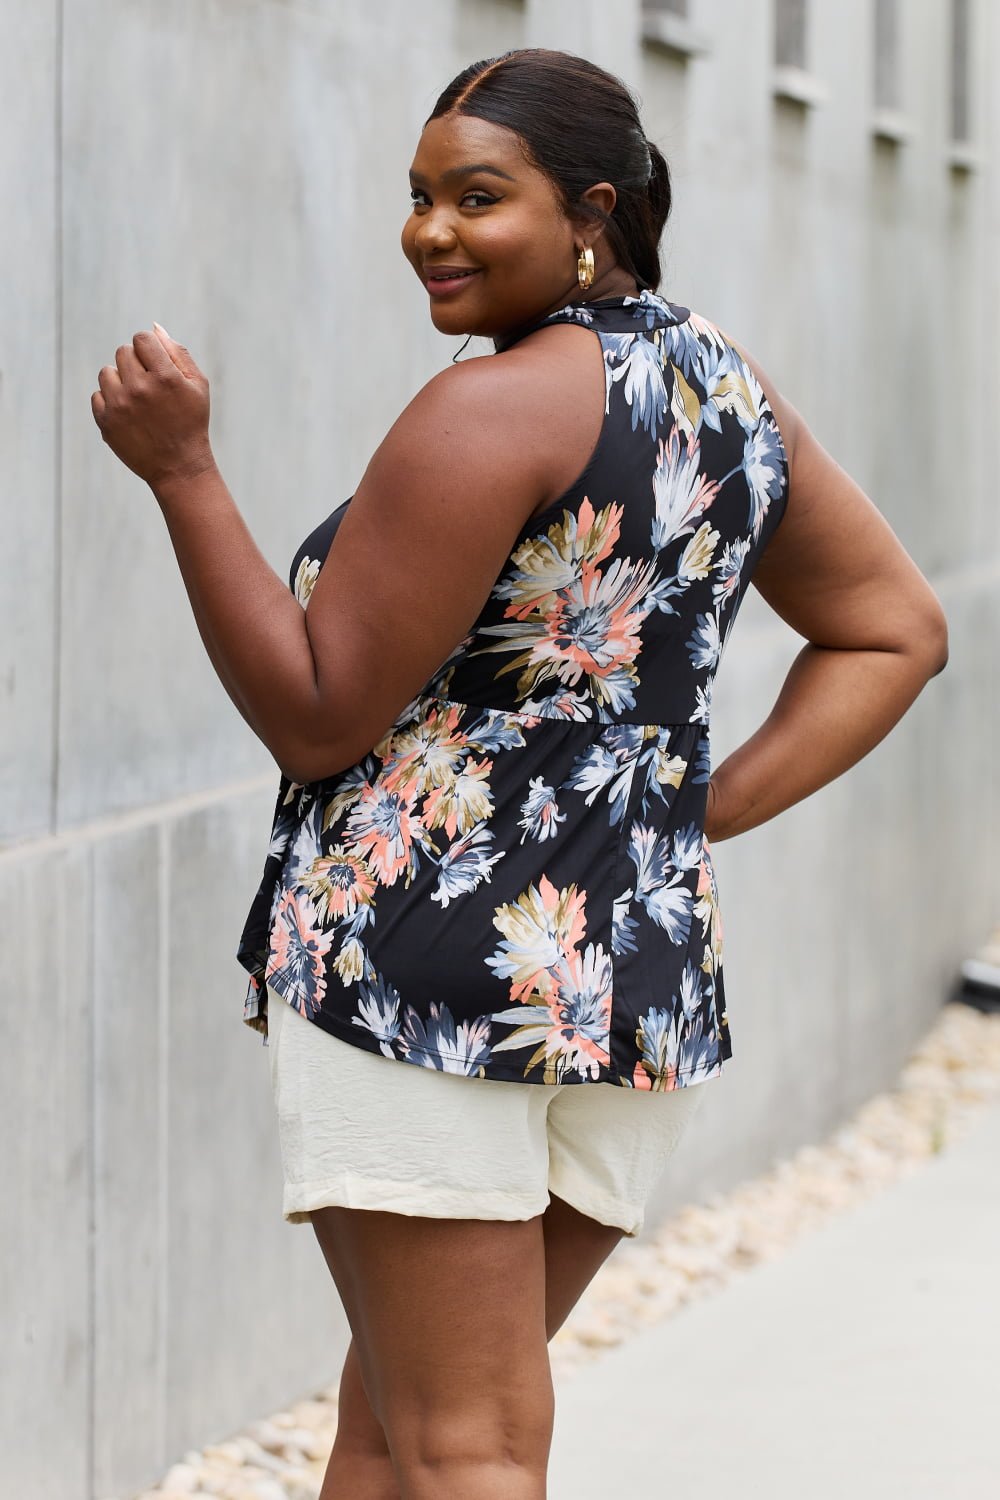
{"x": 950, "y": 1076}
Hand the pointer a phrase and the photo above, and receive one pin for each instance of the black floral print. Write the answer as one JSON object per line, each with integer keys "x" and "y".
{"x": 514, "y": 883}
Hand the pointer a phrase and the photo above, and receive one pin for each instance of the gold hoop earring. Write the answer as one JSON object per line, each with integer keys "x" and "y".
{"x": 585, "y": 267}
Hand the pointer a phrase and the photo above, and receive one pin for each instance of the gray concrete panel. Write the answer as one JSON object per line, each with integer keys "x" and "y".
{"x": 273, "y": 253}
{"x": 253, "y": 205}
{"x": 45, "y": 1175}
{"x": 485, "y": 28}
{"x": 607, "y": 35}
{"x": 29, "y": 452}
{"x": 252, "y": 1313}
{"x": 129, "y": 1154}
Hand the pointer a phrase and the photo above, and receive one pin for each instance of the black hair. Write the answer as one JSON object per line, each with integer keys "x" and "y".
{"x": 580, "y": 125}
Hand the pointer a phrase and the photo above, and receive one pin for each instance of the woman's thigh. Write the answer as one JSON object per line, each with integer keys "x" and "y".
{"x": 448, "y": 1317}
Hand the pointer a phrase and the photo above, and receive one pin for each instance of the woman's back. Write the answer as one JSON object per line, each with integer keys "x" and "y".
{"x": 514, "y": 882}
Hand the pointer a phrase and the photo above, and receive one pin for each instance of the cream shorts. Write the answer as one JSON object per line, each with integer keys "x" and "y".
{"x": 365, "y": 1131}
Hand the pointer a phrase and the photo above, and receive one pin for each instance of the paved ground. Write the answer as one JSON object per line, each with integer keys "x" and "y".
{"x": 862, "y": 1365}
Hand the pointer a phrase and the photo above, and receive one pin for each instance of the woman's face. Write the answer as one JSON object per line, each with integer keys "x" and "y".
{"x": 480, "y": 207}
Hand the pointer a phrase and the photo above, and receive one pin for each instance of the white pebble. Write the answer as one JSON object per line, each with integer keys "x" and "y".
{"x": 182, "y": 1478}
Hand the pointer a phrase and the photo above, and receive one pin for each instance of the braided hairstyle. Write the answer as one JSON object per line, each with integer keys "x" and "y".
{"x": 579, "y": 125}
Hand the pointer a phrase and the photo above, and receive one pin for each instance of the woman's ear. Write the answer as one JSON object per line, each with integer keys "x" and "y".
{"x": 602, "y": 195}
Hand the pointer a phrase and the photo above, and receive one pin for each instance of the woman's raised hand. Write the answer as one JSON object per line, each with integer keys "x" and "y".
{"x": 153, "y": 408}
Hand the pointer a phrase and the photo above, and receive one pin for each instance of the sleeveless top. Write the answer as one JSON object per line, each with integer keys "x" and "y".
{"x": 514, "y": 882}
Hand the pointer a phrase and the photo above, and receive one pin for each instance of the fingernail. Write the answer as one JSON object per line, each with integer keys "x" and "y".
{"x": 163, "y": 330}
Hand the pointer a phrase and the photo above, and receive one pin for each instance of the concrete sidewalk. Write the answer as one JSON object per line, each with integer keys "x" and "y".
{"x": 862, "y": 1365}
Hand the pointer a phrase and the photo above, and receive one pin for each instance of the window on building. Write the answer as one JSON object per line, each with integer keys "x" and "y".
{"x": 887, "y": 93}
{"x": 790, "y": 33}
{"x": 960, "y": 55}
{"x": 668, "y": 26}
{"x": 792, "y": 79}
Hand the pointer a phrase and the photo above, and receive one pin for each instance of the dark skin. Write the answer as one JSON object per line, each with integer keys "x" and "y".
{"x": 482, "y": 447}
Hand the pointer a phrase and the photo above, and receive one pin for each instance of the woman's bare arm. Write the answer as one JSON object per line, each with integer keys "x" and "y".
{"x": 414, "y": 559}
{"x": 875, "y": 632}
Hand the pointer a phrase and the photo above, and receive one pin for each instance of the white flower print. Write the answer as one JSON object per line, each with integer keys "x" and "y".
{"x": 540, "y": 815}
{"x": 729, "y": 570}
{"x": 681, "y": 491}
{"x": 379, "y": 1013}
{"x": 440, "y": 1043}
{"x": 763, "y": 465}
{"x": 705, "y": 645}
{"x": 466, "y": 863}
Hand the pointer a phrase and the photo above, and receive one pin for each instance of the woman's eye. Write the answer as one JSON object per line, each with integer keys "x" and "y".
{"x": 484, "y": 198}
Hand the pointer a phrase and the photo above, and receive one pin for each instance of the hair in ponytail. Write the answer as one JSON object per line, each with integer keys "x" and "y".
{"x": 581, "y": 126}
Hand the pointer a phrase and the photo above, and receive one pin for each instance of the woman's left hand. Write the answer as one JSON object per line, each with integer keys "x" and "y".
{"x": 152, "y": 408}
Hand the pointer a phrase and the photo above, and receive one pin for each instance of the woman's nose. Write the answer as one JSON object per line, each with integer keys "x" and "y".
{"x": 433, "y": 232}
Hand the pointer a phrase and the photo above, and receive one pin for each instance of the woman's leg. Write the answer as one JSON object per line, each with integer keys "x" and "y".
{"x": 361, "y": 1466}
{"x": 443, "y": 1313}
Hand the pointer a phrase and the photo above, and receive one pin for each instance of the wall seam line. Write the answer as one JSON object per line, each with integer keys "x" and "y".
{"x": 93, "y": 1105}
{"x": 163, "y": 1123}
{"x": 142, "y": 817}
{"x": 57, "y": 434}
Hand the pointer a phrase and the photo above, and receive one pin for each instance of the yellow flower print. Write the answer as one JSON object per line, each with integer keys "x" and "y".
{"x": 698, "y": 554}
{"x": 668, "y": 769}
{"x": 707, "y": 910}
{"x": 342, "y": 800}
{"x": 339, "y": 883}
{"x": 740, "y": 394}
{"x": 540, "y": 929}
{"x": 685, "y": 406}
{"x": 349, "y": 965}
{"x": 544, "y": 566}
{"x": 305, "y": 579}
{"x": 463, "y": 801}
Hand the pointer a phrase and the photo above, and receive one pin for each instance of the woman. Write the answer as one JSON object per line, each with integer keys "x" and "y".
{"x": 491, "y": 849}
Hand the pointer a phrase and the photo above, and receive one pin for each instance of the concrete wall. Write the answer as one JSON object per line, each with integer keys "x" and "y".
{"x": 238, "y": 172}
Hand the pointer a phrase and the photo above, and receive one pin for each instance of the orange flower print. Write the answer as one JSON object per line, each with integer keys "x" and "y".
{"x": 384, "y": 827}
{"x": 423, "y": 755}
{"x": 540, "y": 815}
{"x": 640, "y": 1078}
{"x": 680, "y": 1040}
{"x": 570, "y": 1031}
{"x": 539, "y": 929}
{"x": 593, "y": 629}
{"x": 581, "y": 1013}
{"x": 299, "y": 945}
{"x": 708, "y": 911}
{"x": 543, "y": 566}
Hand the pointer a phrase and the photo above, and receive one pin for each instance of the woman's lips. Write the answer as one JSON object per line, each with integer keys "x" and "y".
{"x": 441, "y": 286}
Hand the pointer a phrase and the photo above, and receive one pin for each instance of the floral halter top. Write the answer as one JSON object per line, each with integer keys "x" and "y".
{"x": 514, "y": 882}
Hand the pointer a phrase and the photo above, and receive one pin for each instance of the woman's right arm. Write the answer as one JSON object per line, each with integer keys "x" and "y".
{"x": 875, "y": 634}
